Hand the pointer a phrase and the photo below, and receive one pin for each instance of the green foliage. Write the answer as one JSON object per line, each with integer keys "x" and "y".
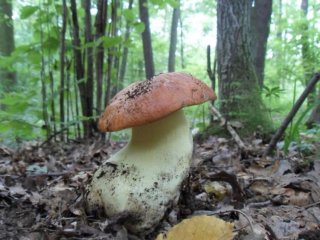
{"x": 20, "y": 116}
{"x": 272, "y": 92}
{"x": 164, "y": 3}
{"x": 298, "y": 127}
{"x": 27, "y": 11}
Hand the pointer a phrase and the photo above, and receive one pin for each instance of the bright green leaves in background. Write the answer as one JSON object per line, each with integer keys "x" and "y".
{"x": 20, "y": 116}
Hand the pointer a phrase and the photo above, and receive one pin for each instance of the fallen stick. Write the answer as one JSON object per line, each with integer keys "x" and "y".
{"x": 291, "y": 114}
{"x": 230, "y": 129}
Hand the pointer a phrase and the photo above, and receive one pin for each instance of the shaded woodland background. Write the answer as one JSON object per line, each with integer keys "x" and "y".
{"x": 62, "y": 61}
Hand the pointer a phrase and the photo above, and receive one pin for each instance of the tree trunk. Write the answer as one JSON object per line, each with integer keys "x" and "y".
{"x": 89, "y": 64}
{"x": 238, "y": 86}
{"x": 173, "y": 38}
{"x": 308, "y": 58}
{"x": 315, "y": 115}
{"x": 146, "y": 39}
{"x": 260, "y": 20}
{"x": 182, "y": 45}
{"x": 79, "y": 68}
{"x": 125, "y": 52}
{"x": 7, "y": 44}
{"x": 111, "y": 50}
{"x": 62, "y": 65}
{"x": 100, "y": 25}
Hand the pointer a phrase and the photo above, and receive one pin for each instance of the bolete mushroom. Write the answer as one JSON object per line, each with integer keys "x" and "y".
{"x": 143, "y": 179}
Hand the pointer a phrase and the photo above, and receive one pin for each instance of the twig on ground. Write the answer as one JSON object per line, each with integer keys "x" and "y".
{"x": 312, "y": 205}
{"x": 232, "y": 132}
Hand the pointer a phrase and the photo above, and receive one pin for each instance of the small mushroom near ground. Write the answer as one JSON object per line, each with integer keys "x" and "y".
{"x": 143, "y": 179}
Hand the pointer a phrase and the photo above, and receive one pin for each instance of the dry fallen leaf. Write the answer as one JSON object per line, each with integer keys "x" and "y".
{"x": 199, "y": 228}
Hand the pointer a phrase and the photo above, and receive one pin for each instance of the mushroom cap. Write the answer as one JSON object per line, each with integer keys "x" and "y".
{"x": 150, "y": 100}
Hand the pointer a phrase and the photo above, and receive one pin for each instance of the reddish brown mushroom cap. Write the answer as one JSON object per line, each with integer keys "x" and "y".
{"x": 150, "y": 100}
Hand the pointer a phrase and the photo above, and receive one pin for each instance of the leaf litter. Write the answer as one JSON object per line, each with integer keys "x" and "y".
{"x": 42, "y": 187}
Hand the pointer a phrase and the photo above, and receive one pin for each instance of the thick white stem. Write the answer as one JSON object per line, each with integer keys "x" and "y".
{"x": 143, "y": 179}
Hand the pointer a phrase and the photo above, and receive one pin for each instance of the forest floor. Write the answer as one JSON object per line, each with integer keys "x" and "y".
{"x": 41, "y": 191}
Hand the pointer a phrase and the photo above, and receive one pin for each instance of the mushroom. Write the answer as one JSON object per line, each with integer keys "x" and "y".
{"x": 143, "y": 179}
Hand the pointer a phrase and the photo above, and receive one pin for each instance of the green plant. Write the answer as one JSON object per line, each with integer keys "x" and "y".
{"x": 20, "y": 117}
{"x": 293, "y": 133}
{"x": 270, "y": 93}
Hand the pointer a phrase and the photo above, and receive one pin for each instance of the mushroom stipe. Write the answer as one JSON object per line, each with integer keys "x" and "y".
{"x": 143, "y": 179}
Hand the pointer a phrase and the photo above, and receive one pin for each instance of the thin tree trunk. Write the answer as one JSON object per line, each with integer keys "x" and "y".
{"x": 77, "y": 108}
{"x": 116, "y": 20}
{"x": 7, "y": 44}
{"x": 52, "y": 105}
{"x": 146, "y": 39}
{"x": 124, "y": 59}
{"x": 70, "y": 113}
{"x": 260, "y": 19}
{"x": 89, "y": 69}
{"x": 211, "y": 70}
{"x": 315, "y": 115}
{"x": 100, "y": 25}
{"x": 45, "y": 113}
{"x": 279, "y": 55}
{"x": 182, "y": 45}
{"x": 62, "y": 66}
{"x": 307, "y": 54}
{"x": 110, "y": 59}
{"x": 79, "y": 67}
{"x": 173, "y": 38}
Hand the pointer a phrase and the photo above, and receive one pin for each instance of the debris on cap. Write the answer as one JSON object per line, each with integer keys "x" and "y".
{"x": 150, "y": 100}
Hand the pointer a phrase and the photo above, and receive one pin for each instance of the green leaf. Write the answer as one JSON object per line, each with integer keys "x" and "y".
{"x": 111, "y": 41}
{"x": 139, "y": 27}
{"x": 27, "y": 11}
{"x": 163, "y": 3}
{"x": 51, "y": 43}
{"x": 129, "y": 15}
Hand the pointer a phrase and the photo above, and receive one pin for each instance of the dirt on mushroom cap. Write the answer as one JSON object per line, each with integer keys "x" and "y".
{"x": 150, "y": 100}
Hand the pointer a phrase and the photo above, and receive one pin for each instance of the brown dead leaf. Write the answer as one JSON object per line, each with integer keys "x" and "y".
{"x": 261, "y": 186}
{"x": 5, "y": 151}
{"x": 292, "y": 196}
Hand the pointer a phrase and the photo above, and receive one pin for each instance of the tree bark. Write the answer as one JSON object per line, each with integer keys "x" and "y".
{"x": 62, "y": 65}
{"x": 79, "y": 67}
{"x": 182, "y": 44}
{"x": 308, "y": 58}
{"x": 100, "y": 25}
{"x": 89, "y": 68}
{"x": 173, "y": 38}
{"x": 123, "y": 65}
{"x": 260, "y": 19}
{"x": 146, "y": 39}
{"x": 110, "y": 60}
{"x": 7, "y": 44}
{"x": 238, "y": 86}
{"x": 315, "y": 115}
{"x": 52, "y": 105}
